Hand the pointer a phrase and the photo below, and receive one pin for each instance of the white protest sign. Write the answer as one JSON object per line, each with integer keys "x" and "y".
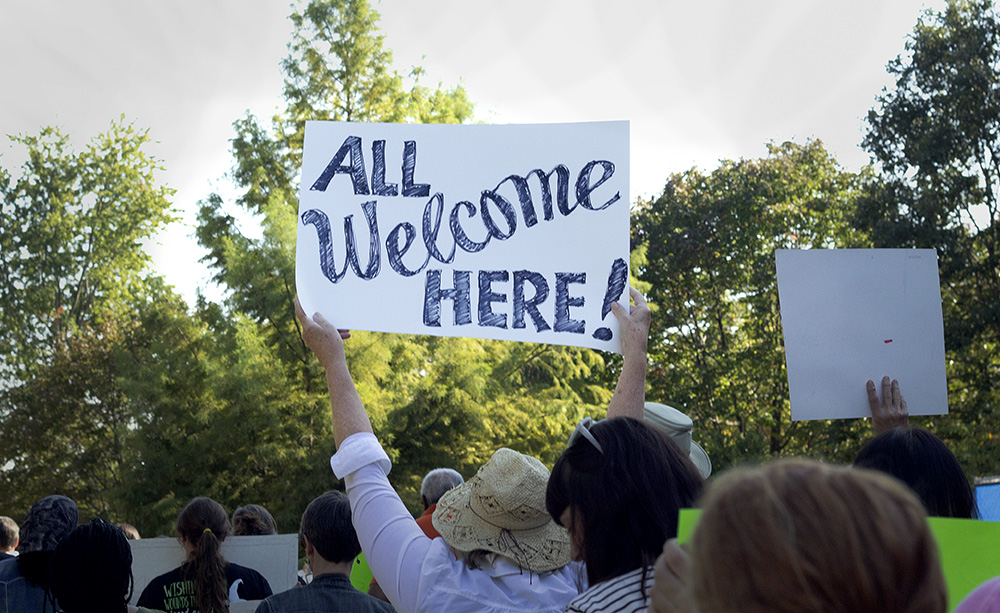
{"x": 850, "y": 315}
{"x": 514, "y": 232}
{"x": 274, "y": 555}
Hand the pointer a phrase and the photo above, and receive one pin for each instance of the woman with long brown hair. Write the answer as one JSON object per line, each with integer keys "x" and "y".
{"x": 205, "y": 582}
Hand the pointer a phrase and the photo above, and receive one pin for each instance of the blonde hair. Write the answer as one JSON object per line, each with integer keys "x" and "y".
{"x": 796, "y": 535}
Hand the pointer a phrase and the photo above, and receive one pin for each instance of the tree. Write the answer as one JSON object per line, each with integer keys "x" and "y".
{"x": 935, "y": 139}
{"x": 715, "y": 345}
{"x": 72, "y": 268}
{"x": 71, "y": 227}
{"x": 66, "y": 430}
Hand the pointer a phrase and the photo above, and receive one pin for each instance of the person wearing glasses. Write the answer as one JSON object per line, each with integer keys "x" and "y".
{"x": 512, "y": 556}
{"x": 618, "y": 488}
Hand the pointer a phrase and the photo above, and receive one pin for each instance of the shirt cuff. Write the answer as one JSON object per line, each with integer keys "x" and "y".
{"x": 356, "y": 451}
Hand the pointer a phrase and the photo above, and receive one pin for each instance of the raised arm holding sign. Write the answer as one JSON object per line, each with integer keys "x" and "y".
{"x": 523, "y": 561}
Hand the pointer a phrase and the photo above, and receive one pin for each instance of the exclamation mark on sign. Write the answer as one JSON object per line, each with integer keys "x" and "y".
{"x": 616, "y": 285}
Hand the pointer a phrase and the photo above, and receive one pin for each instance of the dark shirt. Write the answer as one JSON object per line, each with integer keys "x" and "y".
{"x": 16, "y": 592}
{"x": 330, "y": 592}
{"x": 173, "y": 592}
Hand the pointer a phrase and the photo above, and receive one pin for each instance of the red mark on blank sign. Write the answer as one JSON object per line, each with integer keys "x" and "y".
{"x": 888, "y": 340}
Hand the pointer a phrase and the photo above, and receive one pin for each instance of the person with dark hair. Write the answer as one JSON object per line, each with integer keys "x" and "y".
{"x": 205, "y": 582}
{"x": 24, "y": 579}
{"x": 9, "y": 533}
{"x": 331, "y": 545}
{"x": 253, "y": 520}
{"x": 91, "y": 570}
{"x": 618, "y": 488}
{"x": 915, "y": 456}
{"x": 798, "y": 535}
{"x": 922, "y": 461}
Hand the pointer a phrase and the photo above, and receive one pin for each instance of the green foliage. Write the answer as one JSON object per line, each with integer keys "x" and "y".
{"x": 219, "y": 420}
{"x": 935, "y": 138}
{"x": 71, "y": 226}
{"x": 72, "y": 268}
{"x": 65, "y": 430}
{"x": 715, "y": 346}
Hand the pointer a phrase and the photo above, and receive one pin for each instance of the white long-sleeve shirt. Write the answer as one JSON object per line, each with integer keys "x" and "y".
{"x": 420, "y": 574}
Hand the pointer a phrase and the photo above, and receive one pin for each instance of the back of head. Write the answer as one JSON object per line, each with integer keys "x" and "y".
{"x": 624, "y": 499}
{"x": 501, "y": 510}
{"x": 922, "y": 461}
{"x": 802, "y": 536}
{"x": 437, "y": 483}
{"x": 204, "y": 524}
{"x": 9, "y": 532}
{"x": 91, "y": 569}
{"x": 252, "y": 520}
{"x": 326, "y": 522}
{"x": 48, "y": 522}
{"x": 131, "y": 532}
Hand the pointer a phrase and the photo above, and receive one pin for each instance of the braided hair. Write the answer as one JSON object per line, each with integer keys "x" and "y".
{"x": 91, "y": 569}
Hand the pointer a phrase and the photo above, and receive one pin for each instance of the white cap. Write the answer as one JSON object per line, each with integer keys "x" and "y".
{"x": 678, "y": 426}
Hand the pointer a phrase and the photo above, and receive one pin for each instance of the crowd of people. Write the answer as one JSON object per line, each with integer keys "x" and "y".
{"x": 597, "y": 534}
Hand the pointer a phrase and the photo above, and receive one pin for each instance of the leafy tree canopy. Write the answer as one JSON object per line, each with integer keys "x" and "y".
{"x": 935, "y": 138}
{"x": 715, "y": 345}
{"x": 71, "y": 232}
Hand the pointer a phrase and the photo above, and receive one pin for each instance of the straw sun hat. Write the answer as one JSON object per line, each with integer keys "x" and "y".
{"x": 502, "y": 509}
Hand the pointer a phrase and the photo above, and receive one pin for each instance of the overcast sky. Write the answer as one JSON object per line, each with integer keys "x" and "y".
{"x": 699, "y": 81}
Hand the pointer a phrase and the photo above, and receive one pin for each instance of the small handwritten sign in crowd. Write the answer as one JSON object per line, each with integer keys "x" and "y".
{"x": 514, "y": 232}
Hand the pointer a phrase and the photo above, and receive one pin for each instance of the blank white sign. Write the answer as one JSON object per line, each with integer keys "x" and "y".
{"x": 850, "y": 315}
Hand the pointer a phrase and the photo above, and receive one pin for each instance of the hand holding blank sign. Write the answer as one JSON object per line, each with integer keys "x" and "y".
{"x": 889, "y": 412}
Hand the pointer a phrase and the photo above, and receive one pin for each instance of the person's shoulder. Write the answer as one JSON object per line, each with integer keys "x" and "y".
{"x": 160, "y": 580}
{"x": 239, "y": 570}
{"x": 236, "y": 571}
{"x": 323, "y": 593}
{"x": 152, "y": 594}
{"x": 9, "y": 569}
{"x": 255, "y": 585}
{"x": 621, "y": 594}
